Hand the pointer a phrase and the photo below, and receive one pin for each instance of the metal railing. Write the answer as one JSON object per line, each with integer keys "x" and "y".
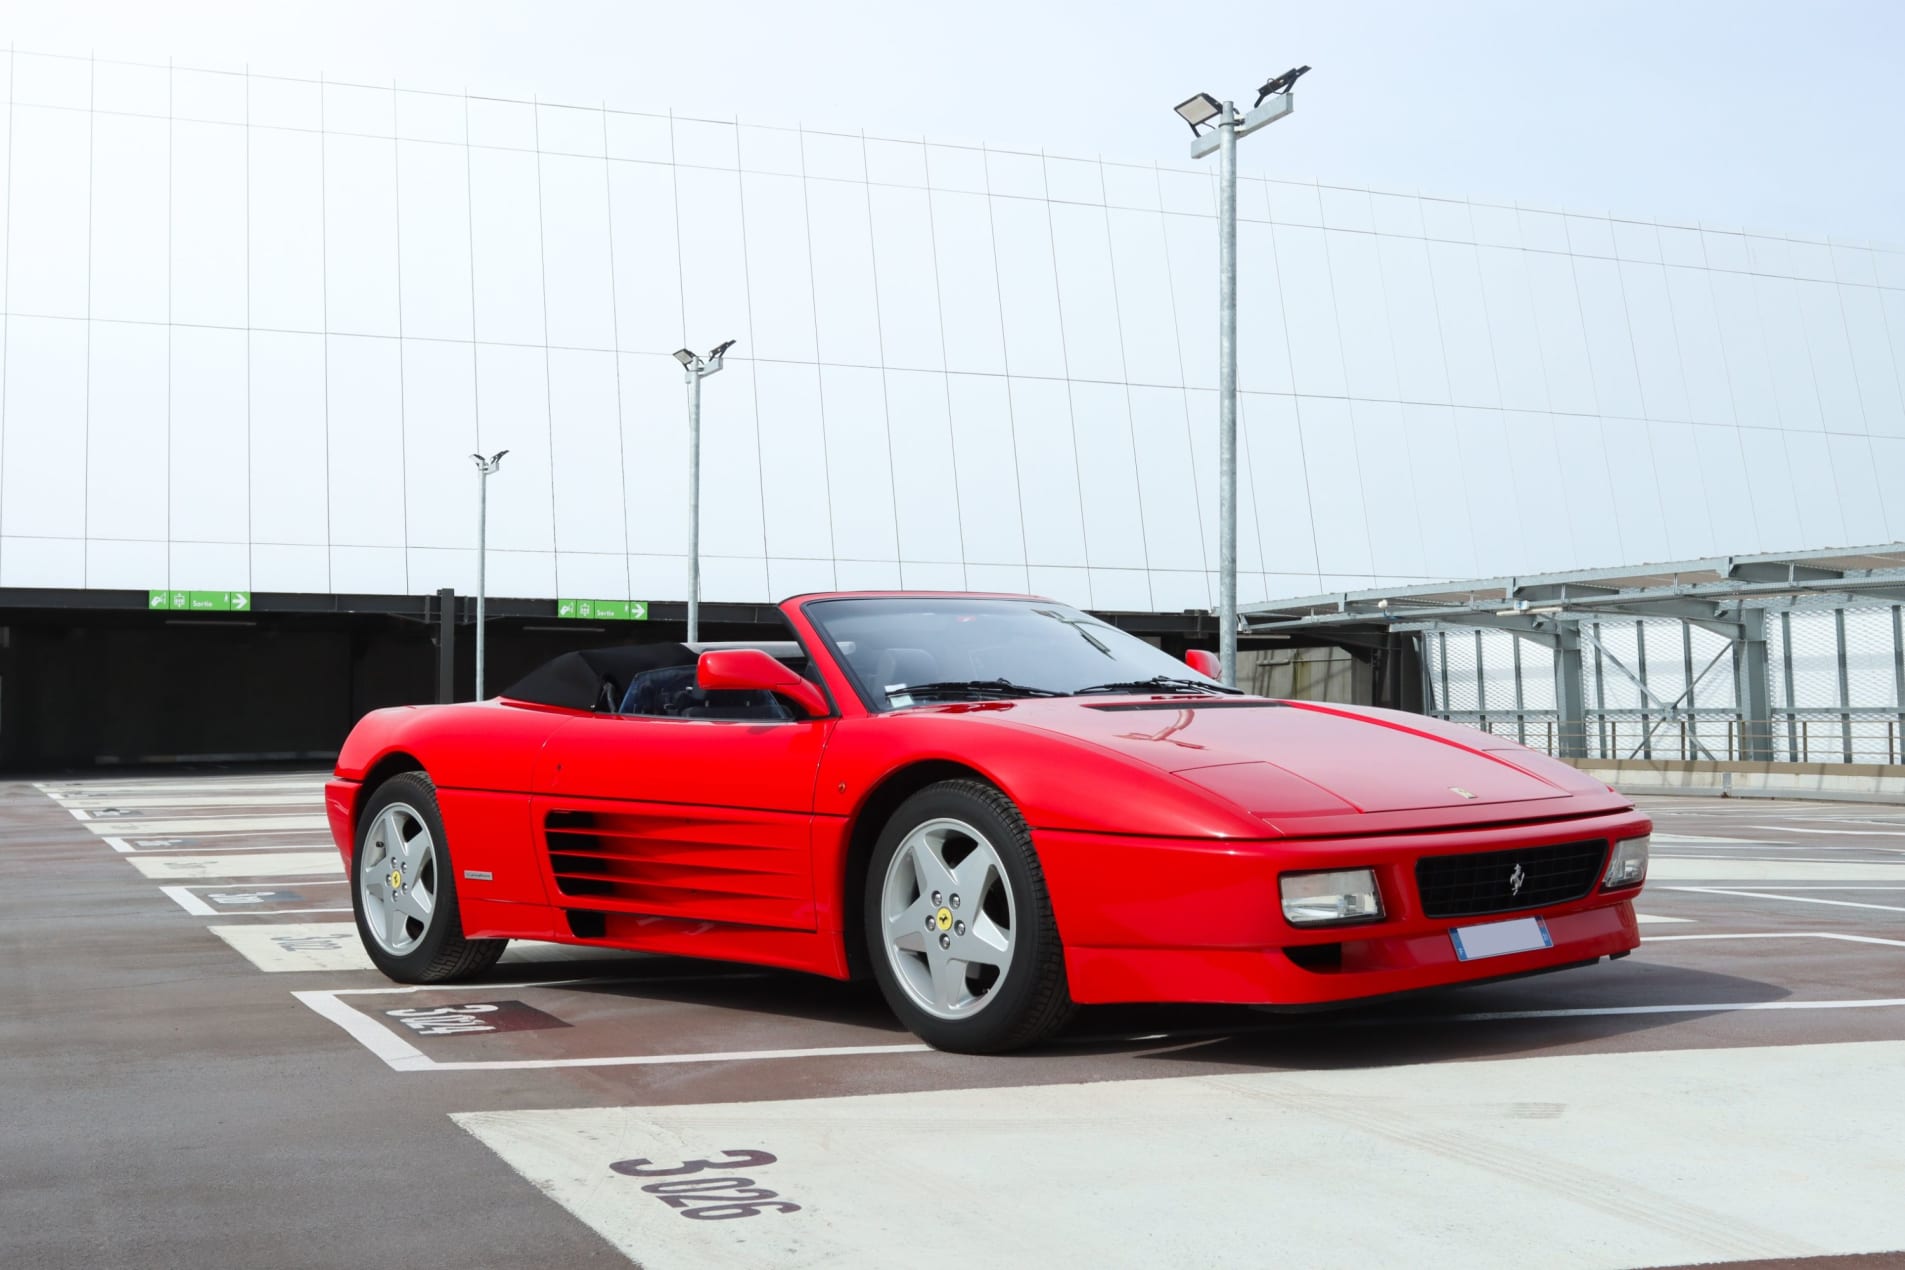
{"x": 1815, "y": 735}
{"x": 1658, "y": 688}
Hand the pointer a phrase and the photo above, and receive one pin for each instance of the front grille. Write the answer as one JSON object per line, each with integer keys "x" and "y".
{"x": 1483, "y": 882}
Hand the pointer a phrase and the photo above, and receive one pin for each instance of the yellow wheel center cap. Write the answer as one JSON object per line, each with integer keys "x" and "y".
{"x": 395, "y": 879}
{"x": 944, "y": 918}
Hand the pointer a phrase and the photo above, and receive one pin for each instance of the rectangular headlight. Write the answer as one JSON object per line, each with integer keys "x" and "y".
{"x": 1321, "y": 899}
{"x": 1628, "y": 867}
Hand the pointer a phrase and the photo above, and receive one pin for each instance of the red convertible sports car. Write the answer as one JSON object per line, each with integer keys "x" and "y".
{"x": 998, "y": 806}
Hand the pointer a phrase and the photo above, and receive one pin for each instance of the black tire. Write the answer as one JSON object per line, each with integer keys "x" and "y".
{"x": 1028, "y": 1001}
{"x": 441, "y": 954}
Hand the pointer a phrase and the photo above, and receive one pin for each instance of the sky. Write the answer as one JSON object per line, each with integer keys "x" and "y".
{"x": 1738, "y": 114}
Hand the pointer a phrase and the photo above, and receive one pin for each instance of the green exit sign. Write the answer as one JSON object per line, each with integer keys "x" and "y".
{"x": 603, "y": 610}
{"x": 199, "y": 601}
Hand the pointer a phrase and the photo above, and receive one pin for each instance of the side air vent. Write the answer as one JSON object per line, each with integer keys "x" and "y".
{"x": 738, "y": 867}
{"x": 584, "y": 925}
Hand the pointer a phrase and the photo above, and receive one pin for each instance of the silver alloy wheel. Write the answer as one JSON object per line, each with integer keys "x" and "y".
{"x": 949, "y": 918}
{"x": 397, "y": 878}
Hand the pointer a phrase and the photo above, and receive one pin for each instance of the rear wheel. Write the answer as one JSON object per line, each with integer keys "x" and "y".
{"x": 403, "y": 889}
{"x": 959, "y": 924}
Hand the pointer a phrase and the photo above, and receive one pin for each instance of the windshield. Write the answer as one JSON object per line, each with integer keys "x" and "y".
{"x": 903, "y": 650}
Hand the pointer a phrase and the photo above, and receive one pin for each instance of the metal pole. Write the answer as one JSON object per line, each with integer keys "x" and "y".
{"x": 446, "y": 645}
{"x": 1227, "y": 393}
{"x": 694, "y": 505}
{"x": 482, "y": 553}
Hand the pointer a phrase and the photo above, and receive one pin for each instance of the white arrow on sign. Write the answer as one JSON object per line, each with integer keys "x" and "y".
{"x": 240, "y": 601}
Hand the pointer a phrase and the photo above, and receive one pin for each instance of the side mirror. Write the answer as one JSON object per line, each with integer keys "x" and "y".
{"x": 1205, "y": 663}
{"x": 751, "y": 670}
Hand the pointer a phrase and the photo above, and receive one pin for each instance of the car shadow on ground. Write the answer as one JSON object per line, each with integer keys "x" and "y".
{"x": 716, "y": 985}
{"x": 1593, "y": 1007}
{"x": 1495, "y": 1020}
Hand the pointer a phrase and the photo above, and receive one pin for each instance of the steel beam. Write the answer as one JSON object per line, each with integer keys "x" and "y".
{"x": 1571, "y": 716}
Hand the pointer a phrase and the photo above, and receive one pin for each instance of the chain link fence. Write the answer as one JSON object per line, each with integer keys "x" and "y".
{"x": 1659, "y": 688}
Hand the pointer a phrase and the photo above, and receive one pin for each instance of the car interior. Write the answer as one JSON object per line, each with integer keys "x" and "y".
{"x": 670, "y": 692}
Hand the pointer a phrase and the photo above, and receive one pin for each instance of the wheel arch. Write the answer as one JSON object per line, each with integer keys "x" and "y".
{"x": 395, "y": 763}
{"x": 864, "y": 830}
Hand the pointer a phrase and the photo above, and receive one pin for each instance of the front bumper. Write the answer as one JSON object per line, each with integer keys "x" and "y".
{"x": 1147, "y": 919}
{"x": 340, "y": 809}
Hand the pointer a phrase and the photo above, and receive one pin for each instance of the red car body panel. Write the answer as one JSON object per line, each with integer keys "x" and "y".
{"x": 1161, "y": 824}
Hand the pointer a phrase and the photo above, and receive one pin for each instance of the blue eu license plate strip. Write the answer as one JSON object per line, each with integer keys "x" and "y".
{"x": 1497, "y": 939}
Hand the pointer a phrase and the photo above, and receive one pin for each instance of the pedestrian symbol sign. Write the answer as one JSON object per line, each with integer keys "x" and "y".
{"x": 200, "y": 601}
{"x": 604, "y": 610}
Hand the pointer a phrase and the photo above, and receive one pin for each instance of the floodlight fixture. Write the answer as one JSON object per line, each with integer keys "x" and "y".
{"x": 1199, "y": 110}
{"x": 685, "y": 357}
{"x": 719, "y": 349}
{"x": 1280, "y": 84}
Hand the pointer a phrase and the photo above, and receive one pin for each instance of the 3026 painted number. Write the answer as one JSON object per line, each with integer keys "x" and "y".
{"x": 721, "y": 1198}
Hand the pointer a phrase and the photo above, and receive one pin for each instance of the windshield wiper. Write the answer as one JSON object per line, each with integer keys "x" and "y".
{"x": 1164, "y": 682}
{"x": 983, "y": 688}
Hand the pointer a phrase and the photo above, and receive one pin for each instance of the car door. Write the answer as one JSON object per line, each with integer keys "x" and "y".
{"x": 707, "y": 819}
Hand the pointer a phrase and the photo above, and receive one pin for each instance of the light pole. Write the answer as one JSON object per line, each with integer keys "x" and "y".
{"x": 697, "y": 369}
{"x": 1273, "y": 103}
{"x": 484, "y": 467}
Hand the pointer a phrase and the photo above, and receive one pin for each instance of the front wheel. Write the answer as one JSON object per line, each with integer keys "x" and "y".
{"x": 959, "y": 924}
{"x": 403, "y": 889}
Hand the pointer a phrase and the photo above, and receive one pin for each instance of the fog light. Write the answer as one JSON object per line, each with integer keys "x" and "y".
{"x": 1629, "y": 865}
{"x": 1323, "y": 899}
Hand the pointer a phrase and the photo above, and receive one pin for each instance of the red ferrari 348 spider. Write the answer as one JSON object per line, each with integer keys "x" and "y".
{"x": 998, "y": 806}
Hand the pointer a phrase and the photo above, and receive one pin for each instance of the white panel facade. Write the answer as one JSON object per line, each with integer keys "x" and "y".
{"x": 254, "y": 327}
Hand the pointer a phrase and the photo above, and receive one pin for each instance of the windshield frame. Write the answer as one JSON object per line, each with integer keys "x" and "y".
{"x": 876, "y": 702}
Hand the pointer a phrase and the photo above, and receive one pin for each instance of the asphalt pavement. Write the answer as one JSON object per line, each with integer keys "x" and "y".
{"x": 199, "y": 1068}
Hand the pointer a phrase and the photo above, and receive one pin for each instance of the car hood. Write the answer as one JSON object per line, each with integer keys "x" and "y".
{"x": 1292, "y": 758}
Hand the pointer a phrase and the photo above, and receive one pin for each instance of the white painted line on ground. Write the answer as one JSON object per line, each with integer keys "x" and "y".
{"x": 1786, "y": 934}
{"x": 405, "y": 1057}
{"x": 298, "y": 946}
{"x": 1790, "y": 899}
{"x": 1651, "y": 919}
{"x": 1712, "y": 1007}
{"x": 1835, "y": 886}
{"x": 1713, "y": 869}
{"x": 183, "y": 896}
{"x": 366, "y": 1031}
{"x": 176, "y": 785}
{"x": 260, "y": 864}
{"x": 666, "y": 1060}
{"x": 1858, "y": 833}
{"x": 295, "y": 842}
{"x": 1244, "y": 1169}
{"x": 189, "y": 902}
{"x": 1690, "y": 840}
{"x": 199, "y": 828}
{"x": 146, "y": 802}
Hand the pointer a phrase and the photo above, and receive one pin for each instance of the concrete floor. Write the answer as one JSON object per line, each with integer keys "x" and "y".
{"x": 197, "y": 1067}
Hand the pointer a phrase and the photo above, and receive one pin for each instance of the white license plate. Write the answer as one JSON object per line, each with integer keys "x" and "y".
{"x": 1496, "y": 939}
